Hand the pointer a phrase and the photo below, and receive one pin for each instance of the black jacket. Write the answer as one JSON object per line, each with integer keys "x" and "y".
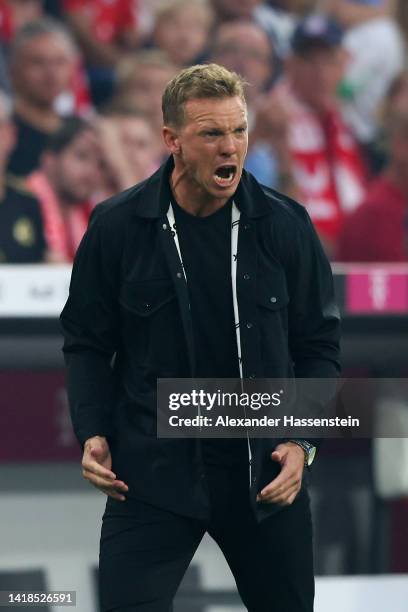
{"x": 127, "y": 322}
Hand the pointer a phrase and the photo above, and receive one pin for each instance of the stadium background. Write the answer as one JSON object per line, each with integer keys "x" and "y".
{"x": 106, "y": 63}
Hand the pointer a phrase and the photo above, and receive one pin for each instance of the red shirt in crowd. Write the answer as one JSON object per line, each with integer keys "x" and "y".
{"x": 63, "y": 231}
{"x": 109, "y": 18}
{"x": 328, "y": 169}
{"x": 378, "y": 230}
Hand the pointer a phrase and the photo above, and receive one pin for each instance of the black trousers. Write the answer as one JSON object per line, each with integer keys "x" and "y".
{"x": 145, "y": 551}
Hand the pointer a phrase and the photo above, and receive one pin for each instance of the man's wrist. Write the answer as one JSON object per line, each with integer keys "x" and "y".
{"x": 308, "y": 449}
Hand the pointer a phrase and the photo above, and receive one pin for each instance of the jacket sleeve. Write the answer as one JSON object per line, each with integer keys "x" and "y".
{"x": 314, "y": 319}
{"x": 90, "y": 327}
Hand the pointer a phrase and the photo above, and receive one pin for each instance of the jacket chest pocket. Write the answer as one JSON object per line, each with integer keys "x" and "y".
{"x": 272, "y": 299}
{"x": 146, "y": 298}
{"x": 272, "y": 292}
{"x": 151, "y": 326}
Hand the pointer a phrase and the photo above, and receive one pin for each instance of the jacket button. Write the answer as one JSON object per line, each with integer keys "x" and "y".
{"x": 147, "y": 306}
{"x": 252, "y": 376}
{"x": 249, "y": 325}
{"x": 273, "y": 299}
{"x": 164, "y": 226}
{"x": 246, "y": 226}
{"x": 179, "y": 275}
{"x": 246, "y": 277}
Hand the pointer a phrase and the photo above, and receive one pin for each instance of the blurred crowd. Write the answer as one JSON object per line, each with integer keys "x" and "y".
{"x": 80, "y": 110}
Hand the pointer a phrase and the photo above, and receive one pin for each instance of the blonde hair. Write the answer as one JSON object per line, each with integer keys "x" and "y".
{"x": 199, "y": 82}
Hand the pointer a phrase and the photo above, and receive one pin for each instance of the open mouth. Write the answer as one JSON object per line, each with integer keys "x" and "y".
{"x": 224, "y": 175}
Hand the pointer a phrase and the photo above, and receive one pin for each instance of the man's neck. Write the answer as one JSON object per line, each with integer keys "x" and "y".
{"x": 43, "y": 118}
{"x": 194, "y": 200}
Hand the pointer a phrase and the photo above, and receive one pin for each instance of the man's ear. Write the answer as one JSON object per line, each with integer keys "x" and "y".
{"x": 171, "y": 140}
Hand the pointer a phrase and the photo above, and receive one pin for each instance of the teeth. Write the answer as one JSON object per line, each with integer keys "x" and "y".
{"x": 225, "y": 180}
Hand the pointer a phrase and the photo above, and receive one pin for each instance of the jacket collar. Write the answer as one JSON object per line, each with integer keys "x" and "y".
{"x": 154, "y": 195}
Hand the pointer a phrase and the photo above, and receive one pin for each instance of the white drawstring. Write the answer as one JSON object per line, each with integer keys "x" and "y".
{"x": 235, "y": 220}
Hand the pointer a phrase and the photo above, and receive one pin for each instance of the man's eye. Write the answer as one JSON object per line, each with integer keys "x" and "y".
{"x": 240, "y": 130}
{"x": 211, "y": 133}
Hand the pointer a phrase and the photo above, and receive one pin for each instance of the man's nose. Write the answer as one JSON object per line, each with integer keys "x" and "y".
{"x": 228, "y": 145}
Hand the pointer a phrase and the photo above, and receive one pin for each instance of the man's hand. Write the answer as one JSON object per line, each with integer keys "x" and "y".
{"x": 284, "y": 488}
{"x": 97, "y": 464}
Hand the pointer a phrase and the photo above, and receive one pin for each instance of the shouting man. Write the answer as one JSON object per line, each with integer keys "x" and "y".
{"x": 199, "y": 271}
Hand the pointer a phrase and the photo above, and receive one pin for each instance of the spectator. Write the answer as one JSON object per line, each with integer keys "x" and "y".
{"x": 130, "y": 149}
{"x": 21, "y": 233}
{"x": 105, "y": 31}
{"x": 278, "y": 21}
{"x": 141, "y": 80}
{"x": 42, "y": 66}
{"x": 376, "y": 49}
{"x": 181, "y": 30}
{"x": 68, "y": 178}
{"x": 244, "y": 47}
{"x": 378, "y": 230}
{"x": 14, "y": 15}
{"x": 323, "y": 163}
